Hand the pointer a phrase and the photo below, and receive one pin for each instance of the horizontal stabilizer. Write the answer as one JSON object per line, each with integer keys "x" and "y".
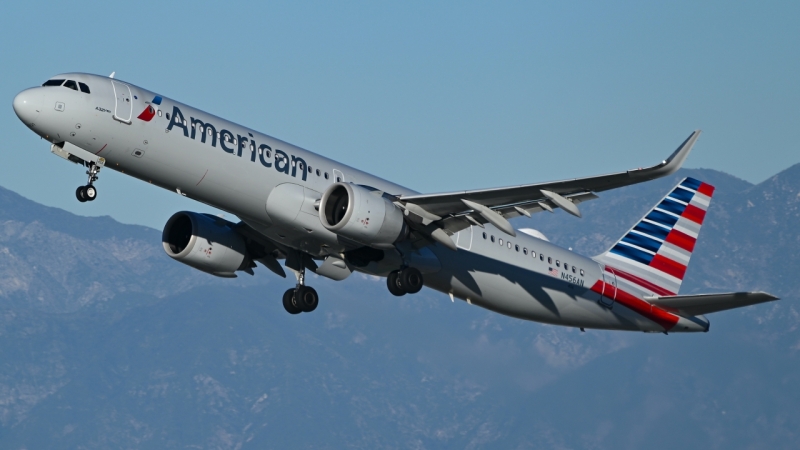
{"x": 710, "y": 303}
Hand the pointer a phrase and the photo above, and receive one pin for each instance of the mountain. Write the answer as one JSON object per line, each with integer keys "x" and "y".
{"x": 105, "y": 342}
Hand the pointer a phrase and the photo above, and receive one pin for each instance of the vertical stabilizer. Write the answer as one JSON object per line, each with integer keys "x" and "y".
{"x": 652, "y": 257}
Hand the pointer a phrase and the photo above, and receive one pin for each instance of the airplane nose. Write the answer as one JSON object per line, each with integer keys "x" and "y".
{"x": 27, "y": 105}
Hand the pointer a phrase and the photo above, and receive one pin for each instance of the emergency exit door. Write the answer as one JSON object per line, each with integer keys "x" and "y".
{"x": 609, "y": 287}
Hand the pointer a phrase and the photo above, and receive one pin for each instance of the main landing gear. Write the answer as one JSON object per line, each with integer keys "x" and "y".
{"x": 405, "y": 281}
{"x": 302, "y": 298}
{"x": 88, "y": 193}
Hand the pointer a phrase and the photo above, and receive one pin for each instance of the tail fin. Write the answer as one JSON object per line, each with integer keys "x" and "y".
{"x": 652, "y": 256}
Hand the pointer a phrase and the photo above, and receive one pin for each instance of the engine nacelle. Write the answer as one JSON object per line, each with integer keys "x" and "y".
{"x": 206, "y": 243}
{"x": 361, "y": 214}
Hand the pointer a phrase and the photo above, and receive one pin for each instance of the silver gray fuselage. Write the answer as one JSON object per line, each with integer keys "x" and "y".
{"x": 275, "y": 196}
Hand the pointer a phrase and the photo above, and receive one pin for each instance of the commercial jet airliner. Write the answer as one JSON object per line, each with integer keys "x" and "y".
{"x": 320, "y": 215}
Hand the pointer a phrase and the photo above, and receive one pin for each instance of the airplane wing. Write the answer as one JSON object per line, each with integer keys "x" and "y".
{"x": 453, "y": 211}
{"x": 710, "y": 303}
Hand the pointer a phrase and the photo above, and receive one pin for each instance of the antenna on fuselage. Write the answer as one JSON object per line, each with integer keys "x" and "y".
{"x": 112, "y": 74}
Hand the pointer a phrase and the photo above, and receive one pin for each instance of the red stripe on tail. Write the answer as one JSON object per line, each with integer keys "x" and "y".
{"x": 639, "y": 281}
{"x": 669, "y": 266}
{"x": 706, "y": 189}
{"x": 641, "y": 307}
{"x": 681, "y": 240}
{"x": 694, "y": 214}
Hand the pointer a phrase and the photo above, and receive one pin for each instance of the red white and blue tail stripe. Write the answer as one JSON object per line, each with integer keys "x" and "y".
{"x": 652, "y": 257}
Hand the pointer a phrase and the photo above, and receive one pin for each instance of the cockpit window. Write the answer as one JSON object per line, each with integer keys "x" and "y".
{"x": 53, "y": 83}
{"x": 71, "y": 84}
{"x": 84, "y": 88}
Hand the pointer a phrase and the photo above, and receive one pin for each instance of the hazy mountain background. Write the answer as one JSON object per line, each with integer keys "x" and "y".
{"x": 107, "y": 343}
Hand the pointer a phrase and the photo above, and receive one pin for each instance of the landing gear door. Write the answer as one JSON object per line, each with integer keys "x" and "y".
{"x": 123, "y": 109}
{"x": 609, "y": 287}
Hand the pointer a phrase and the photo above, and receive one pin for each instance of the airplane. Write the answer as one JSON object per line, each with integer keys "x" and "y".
{"x": 316, "y": 214}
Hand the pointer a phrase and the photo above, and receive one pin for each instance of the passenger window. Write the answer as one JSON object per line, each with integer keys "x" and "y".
{"x": 326, "y": 175}
{"x": 566, "y": 266}
{"x": 533, "y": 254}
{"x": 484, "y": 235}
{"x": 541, "y": 257}
{"x": 573, "y": 269}
{"x": 167, "y": 116}
{"x": 558, "y": 263}
{"x": 53, "y": 83}
{"x": 492, "y": 238}
{"x": 309, "y": 169}
{"x": 581, "y": 272}
{"x": 509, "y": 244}
{"x": 71, "y": 84}
{"x": 338, "y": 179}
{"x": 501, "y": 242}
{"x": 159, "y": 115}
{"x": 525, "y": 251}
{"x": 84, "y": 88}
{"x": 549, "y": 260}
{"x": 318, "y": 172}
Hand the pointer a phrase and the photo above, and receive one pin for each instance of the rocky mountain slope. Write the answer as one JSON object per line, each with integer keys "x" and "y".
{"x": 107, "y": 343}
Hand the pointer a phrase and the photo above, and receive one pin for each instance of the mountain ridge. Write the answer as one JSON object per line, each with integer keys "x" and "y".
{"x": 161, "y": 356}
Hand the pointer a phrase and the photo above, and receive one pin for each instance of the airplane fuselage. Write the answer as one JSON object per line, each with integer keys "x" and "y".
{"x": 272, "y": 186}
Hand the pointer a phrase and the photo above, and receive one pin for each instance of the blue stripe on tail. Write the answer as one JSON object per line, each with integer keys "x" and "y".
{"x": 642, "y": 241}
{"x": 632, "y": 253}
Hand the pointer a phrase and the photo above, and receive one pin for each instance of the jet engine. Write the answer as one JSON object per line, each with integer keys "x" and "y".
{"x": 361, "y": 214}
{"x": 206, "y": 243}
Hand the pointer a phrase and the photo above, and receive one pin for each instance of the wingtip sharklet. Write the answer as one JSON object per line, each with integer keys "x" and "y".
{"x": 673, "y": 162}
{"x": 676, "y": 159}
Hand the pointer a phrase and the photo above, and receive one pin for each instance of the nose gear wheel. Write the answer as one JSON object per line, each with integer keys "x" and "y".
{"x": 88, "y": 193}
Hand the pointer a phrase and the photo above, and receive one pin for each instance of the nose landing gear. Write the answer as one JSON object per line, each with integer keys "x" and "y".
{"x": 88, "y": 193}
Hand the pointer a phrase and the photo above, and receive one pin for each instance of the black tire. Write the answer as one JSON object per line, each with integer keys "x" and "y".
{"x": 306, "y": 298}
{"x": 80, "y": 194}
{"x": 410, "y": 280}
{"x": 288, "y": 305}
{"x": 391, "y": 283}
{"x": 90, "y": 192}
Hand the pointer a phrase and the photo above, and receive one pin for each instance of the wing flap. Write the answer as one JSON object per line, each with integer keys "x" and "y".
{"x": 710, "y": 303}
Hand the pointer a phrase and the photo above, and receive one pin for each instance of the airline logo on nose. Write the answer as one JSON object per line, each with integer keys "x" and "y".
{"x": 150, "y": 111}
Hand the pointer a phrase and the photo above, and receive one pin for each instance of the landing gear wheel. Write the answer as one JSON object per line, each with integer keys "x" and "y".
{"x": 80, "y": 194}
{"x": 410, "y": 280}
{"x": 90, "y": 192}
{"x": 391, "y": 283}
{"x": 288, "y": 303}
{"x": 306, "y": 298}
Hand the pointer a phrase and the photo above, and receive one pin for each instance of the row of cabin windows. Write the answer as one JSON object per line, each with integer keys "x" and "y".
{"x": 70, "y": 84}
{"x": 267, "y": 153}
{"x": 516, "y": 247}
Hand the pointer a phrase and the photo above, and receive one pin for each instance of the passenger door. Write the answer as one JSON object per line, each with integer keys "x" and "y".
{"x": 123, "y": 109}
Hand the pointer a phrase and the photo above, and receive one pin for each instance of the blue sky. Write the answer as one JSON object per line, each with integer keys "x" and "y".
{"x": 434, "y": 96}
